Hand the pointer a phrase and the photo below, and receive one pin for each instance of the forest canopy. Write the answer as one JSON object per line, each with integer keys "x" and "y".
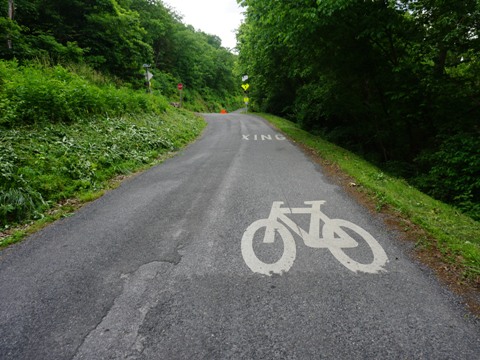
{"x": 397, "y": 81}
{"x": 117, "y": 37}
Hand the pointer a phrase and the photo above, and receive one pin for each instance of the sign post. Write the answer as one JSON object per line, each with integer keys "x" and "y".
{"x": 148, "y": 77}
{"x": 180, "y": 88}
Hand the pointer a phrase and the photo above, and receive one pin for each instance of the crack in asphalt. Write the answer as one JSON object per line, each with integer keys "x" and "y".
{"x": 116, "y": 335}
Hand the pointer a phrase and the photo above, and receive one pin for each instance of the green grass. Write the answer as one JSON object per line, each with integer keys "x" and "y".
{"x": 37, "y": 94}
{"x": 457, "y": 236}
{"x": 42, "y": 165}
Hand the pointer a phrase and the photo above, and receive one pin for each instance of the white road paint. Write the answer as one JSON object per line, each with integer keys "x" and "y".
{"x": 379, "y": 256}
{"x": 261, "y": 137}
{"x": 332, "y": 237}
{"x": 257, "y": 265}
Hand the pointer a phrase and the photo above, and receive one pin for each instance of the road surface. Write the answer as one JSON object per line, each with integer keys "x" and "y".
{"x": 237, "y": 248}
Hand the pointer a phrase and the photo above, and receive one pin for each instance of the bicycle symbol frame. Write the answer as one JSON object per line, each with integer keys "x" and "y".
{"x": 279, "y": 222}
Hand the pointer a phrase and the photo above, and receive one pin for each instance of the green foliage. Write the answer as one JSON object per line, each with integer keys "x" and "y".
{"x": 385, "y": 79}
{"x": 17, "y": 198}
{"x": 9, "y": 31}
{"x": 454, "y": 176}
{"x": 117, "y": 37}
{"x": 45, "y": 163}
{"x": 115, "y": 34}
{"x": 67, "y": 131}
{"x": 39, "y": 94}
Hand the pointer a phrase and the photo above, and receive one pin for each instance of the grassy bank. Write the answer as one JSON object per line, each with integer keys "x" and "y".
{"x": 38, "y": 93}
{"x": 456, "y": 236}
{"x": 210, "y": 103}
{"x": 44, "y": 165}
{"x": 66, "y": 131}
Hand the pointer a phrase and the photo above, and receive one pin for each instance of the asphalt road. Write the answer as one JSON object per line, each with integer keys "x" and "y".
{"x": 215, "y": 255}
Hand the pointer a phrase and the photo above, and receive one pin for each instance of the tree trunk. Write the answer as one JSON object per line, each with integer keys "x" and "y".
{"x": 440, "y": 61}
{"x": 11, "y": 7}
{"x": 11, "y": 11}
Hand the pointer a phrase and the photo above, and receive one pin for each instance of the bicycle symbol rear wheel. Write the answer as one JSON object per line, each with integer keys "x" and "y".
{"x": 379, "y": 256}
{"x": 251, "y": 259}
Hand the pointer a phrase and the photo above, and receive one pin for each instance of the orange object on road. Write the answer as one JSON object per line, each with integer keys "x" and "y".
{"x": 223, "y": 111}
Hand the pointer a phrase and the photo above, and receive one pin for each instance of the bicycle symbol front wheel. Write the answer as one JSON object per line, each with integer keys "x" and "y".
{"x": 379, "y": 256}
{"x": 251, "y": 259}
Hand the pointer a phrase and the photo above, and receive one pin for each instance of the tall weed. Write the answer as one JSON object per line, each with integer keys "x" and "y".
{"x": 44, "y": 163}
{"x": 65, "y": 132}
{"x": 34, "y": 94}
{"x": 18, "y": 200}
{"x": 454, "y": 172}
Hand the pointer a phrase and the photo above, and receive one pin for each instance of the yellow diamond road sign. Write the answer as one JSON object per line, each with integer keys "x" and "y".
{"x": 245, "y": 86}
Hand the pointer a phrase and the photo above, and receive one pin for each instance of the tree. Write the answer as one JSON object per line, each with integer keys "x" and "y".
{"x": 114, "y": 37}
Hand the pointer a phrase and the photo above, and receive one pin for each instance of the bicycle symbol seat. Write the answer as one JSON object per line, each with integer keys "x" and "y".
{"x": 332, "y": 236}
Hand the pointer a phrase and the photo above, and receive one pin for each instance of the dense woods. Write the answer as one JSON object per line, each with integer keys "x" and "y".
{"x": 397, "y": 81}
{"x": 117, "y": 37}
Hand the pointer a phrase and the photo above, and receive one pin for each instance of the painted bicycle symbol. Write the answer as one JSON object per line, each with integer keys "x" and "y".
{"x": 334, "y": 236}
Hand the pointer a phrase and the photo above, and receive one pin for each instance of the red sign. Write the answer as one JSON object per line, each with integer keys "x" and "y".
{"x": 180, "y": 86}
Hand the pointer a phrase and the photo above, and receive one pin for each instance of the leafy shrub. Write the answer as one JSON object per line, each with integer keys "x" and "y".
{"x": 19, "y": 203}
{"x": 454, "y": 176}
{"x": 37, "y": 94}
{"x": 17, "y": 198}
{"x": 64, "y": 132}
{"x": 44, "y": 163}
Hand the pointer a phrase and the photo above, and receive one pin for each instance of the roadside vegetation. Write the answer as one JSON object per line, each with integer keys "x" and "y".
{"x": 65, "y": 135}
{"x": 455, "y": 235}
